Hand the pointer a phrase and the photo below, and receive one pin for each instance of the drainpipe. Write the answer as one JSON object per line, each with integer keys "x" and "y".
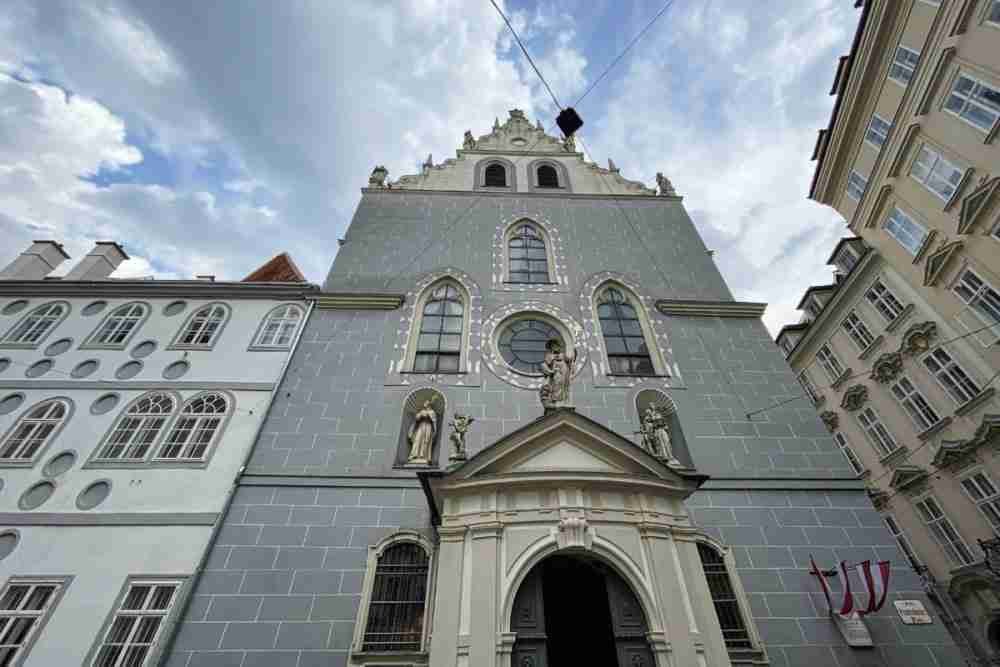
{"x": 170, "y": 632}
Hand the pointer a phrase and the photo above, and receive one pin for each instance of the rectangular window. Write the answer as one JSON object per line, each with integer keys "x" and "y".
{"x": 25, "y": 605}
{"x": 884, "y": 301}
{"x": 137, "y": 623}
{"x": 856, "y": 184}
{"x": 830, "y": 363}
{"x": 858, "y": 331}
{"x": 923, "y": 415}
{"x": 983, "y": 492}
{"x": 901, "y": 540}
{"x": 974, "y": 102}
{"x": 980, "y": 296}
{"x": 849, "y": 454}
{"x": 944, "y": 532}
{"x": 878, "y": 131}
{"x": 807, "y": 385}
{"x": 935, "y": 173}
{"x": 901, "y": 227}
{"x": 846, "y": 260}
{"x": 952, "y": 377}
{"x": 876, "y": 431}
{"x": 904, "y": 63}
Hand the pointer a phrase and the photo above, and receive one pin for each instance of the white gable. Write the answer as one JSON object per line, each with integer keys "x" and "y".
{"x": 566, "y": 456}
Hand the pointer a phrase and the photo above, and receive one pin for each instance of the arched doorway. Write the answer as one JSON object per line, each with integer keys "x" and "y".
{"x": 573, "y": 610}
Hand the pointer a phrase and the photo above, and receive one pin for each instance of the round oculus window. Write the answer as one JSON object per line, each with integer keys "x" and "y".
{"x": 522, "y": 344}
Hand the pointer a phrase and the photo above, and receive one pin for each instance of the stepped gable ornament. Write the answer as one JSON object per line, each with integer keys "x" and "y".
{"x": 557, "y": 369}
{"x": 421, "y": 435}
{"x": 666, "y": 187}
{"x": 918, "y": 338}
{"x": 655, "y": 432}
{"x": 377, "y": 179}
{"x": 854, "y": 397}
{"x": 459, "y": 426}
{"x": 887, "y": 367}
{"x": 830, "y": 419}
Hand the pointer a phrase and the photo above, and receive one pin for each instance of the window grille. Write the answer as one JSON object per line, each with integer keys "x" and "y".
{"x": 914, "y": 403}
{"x": 849, "y": 454}
{"x": 528, "y": 260}
{"x": 975, "y": 102}
{"x": 136, "y": 625}
{"x": 884, "y": 301}
{"x": 628, "y": 353}
{"x": 203, "y": 327}
{"x": 138, "y": 428}
{"x": 36, "y": 324}
{"x": 944, "y": 532}
{"x": 495, "y": 176}
{"x": 727, "y": 606}
{"x": 983, "y": 492}
{"x": 399, "y": 594}
{"x": 858, "y": 331}
{"x": 280, "y": 327}
{"x": 119, "y": 325}
{"x": 876, "y": 431}
{"x": 952, "y": 377}
{"x": 24, "y": 604}
{"x": 907, "y": 233}
{"x": 902, "y": 540}
{"x": 439, "y": 345}
{"x": 904, "y": 63}
{"x": 856, "y": 185}
{"x": 830, "y": 363}
{"x": 33, "y": 431}
{"x": 878, "y": 131}
{"x": 194, "y": 430}
{"x": 936, "y": 173}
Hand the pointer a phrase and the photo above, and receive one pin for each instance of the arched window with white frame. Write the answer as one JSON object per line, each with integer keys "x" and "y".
{"x": 441, "y": 329}
{"x": 279, "y": 327}
{"x": 118, "y": 327}
{"x": 625, "y": 342}
{"x": 203, "y": 328}
{"x": 196, "y": 429}
{"x": 527, "y": 255}
{"x": 36, "y": 325}
{"x": 139, "y": 428}
{"x": 36, "y": 428}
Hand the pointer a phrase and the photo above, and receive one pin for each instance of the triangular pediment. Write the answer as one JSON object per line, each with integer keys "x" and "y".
{"x": 975, "y": 203}
{"x": 566, "y": 455}
{"x": 938, "y": 260}
{"x": 907, "y": 475}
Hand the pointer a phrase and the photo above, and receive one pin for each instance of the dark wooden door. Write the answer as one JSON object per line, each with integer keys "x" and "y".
{"x": 629, "y": 624}
{"x": 529, "y": 623}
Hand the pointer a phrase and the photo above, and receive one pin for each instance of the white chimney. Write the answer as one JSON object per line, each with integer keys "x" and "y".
{"x": 99, "y": 262}
{"x": 36, "y": 262}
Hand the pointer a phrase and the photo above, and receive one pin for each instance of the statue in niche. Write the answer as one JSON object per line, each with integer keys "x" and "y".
{"x": 459, "y": 427}
{"x": 569, "y": 143}
{"x": 666, "y": 187}
{"x": 557, "y": 368}
{"x": 656, "y": 434}
{"x": 421, "y": 434}
{"x": 377, "y": 179}
{"x": 469, "y": 143}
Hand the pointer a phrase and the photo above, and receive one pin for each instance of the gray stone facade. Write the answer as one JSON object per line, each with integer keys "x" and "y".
{"x": 283, "y": 582}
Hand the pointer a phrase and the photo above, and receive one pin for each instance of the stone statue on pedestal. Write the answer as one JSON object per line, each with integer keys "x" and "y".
{"x": 666, "y": 187}
{"x": 469, "y": 143}
{"x": 459, "y": 427}
{"x": 421, "y": 435}
{"x": 377, "y": 179}
{"x": 557, "y": 368}
{"x": 656, "y": 434}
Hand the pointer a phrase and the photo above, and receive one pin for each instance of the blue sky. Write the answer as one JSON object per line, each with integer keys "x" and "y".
{"x": 206, "y": 137}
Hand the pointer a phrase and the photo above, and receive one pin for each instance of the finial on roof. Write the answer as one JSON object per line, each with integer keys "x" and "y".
{"x": 496, "y": 123}
{"x": 377, "y": 179}
{"x": 539, "y": 126}
{"x": 429, "y": 162}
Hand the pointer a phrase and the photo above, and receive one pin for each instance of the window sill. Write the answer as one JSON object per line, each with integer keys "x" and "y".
{"x": 21, "y": 346}
{"x": 390, "y": 658}
{"x": 868, "y": 351}
{"x": 935, "y": 429}
{"x": 510, "y": 282}
{"x": 842, "y": 379}
{"x": 204, "y": 348}
{"x": 894, "y": 456}
{"x": 975, "y": 401}
{"x": 902, "y": 317}
{"x": 268, "y": 348}
{"x": 630, "y": 375}
{"x": 449, "y": 373}
{"x": 17, "y": 463}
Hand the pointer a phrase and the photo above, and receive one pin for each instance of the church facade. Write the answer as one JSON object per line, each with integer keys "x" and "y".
{"x": 526, "y": 424}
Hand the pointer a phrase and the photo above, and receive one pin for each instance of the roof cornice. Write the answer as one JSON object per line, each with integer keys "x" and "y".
{"x": 157, "y": 288}
{"x": 358, "y": 301}
{"x": 698, "y": 308}
{"x": 664, "y": 199}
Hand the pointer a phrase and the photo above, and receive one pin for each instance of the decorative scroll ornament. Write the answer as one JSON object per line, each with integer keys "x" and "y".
{"x": 918, "y": 338}
{"x": 854, "y": 397}
{"x": 831, "y": 419}
{"x": 887, "y": 367}
{"x": 574, "y": 531}
{"x": 459, "y": 426}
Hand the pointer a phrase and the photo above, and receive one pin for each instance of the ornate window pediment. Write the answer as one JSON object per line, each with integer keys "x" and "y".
{"x": 976, "y": 203}
{"x": 887, "y": 367}
{"x": 938, "y": 261}
{"x": 854, "y": 397}
{"x": 906, "y": 476}
{"x": 955, "y": 453}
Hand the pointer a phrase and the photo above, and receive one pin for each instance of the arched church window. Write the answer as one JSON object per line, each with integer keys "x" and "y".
{"x": 727, "y": 605}
{"x": 628, "y": 352}
{"x": 439, "y": 343}
{"x": 396, "y": 604}
{"x": 547, "y": 177}
{"x": 528, "y": 259}
{"x": 495, "y": 176}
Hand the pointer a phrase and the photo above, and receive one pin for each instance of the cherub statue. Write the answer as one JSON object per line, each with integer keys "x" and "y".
{"x": 459, "y": 426}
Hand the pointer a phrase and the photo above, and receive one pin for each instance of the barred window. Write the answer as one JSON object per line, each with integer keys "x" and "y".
{"x": 119, "y": 325}
{"x": 547, "y": 177}
{"x": 198, "y": 425}
{"x": 527, "y": 256}
{"x": 24, "y": 606}
{"x": 727, "y": 606}
{"x": 495, "y": 176}
{"x": 952, "y": 377}
{"x": 858, "y": 331}
{"x": 830, "y": 363}
{"x": 628, "y": 353}
{"x": 204, "y": 326}
{"x": 137, "y": 624}
{"x": 37, "y": 324}
{"x": 923, "y": 415}
{"x": 138, "y": 429}
{"x": 34, "y": 430}
{"x": 884, "y": 301}
{"x": 439, "y": 345}
{"x": 279, "y": 327}
{"x": 398, "y": 598}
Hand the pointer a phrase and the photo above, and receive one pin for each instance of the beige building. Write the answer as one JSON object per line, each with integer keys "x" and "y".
{"x": 900, "y": 353}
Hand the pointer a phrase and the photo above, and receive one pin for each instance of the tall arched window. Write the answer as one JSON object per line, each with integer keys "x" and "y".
{"x": 527, "y": 257}
{"x": 139, "y": 428}
{"x": 197, "y": 427}
{"x": 280, "y": 326}
{"x": 439, "y": 343}
{"x": 548, "y": 177}
{"x": 727, "y": 605}
{"x": 119, "y": 326}
{"x": 495, "y": 176}
{"x": 203, "y": 327}
{"x": 37, "y": 324}
{"x": 628, "y": 353}
{"x": 396, "y": 605}
{"x": 35, "y": 429}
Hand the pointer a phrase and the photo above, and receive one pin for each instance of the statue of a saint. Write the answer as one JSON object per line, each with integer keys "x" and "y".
{"x": 421, "y": 435}
{"x": 469, "y": 143}
{"x": 656, "y": 434}
{"x": 569, "y": 143}
{"x": 377, "y": 179}
{"x": 666, "y": 187}
{"x": 557, "y": 368}
{"x": 459, "y": 426}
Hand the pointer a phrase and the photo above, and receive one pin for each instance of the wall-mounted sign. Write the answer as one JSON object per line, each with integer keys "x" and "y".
{"x": 913, "y": 612}
{"x": 853, "y": 630}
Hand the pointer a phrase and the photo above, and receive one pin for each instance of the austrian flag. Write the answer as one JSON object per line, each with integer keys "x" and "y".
{"x": 877, "y": 585}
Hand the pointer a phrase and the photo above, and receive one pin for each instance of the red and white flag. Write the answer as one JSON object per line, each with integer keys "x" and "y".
{"x": 876, "y": 583}
{"x": 848, "y": 604}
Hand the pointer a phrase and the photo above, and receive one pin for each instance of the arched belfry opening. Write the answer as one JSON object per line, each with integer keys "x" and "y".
{"x": 572, "y": 609}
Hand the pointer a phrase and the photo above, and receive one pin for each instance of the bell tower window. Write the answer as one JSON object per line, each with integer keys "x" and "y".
{"x": 495, "y": 176}
{"x": 547, "y": 177}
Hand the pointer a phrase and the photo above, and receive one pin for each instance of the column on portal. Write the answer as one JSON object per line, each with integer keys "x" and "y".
{"x": 448, "y": 596}
{"x": 483, "y": 594}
